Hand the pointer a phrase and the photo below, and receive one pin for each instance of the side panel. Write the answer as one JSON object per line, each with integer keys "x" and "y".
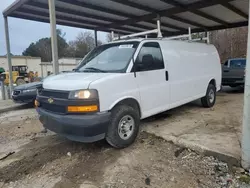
{"x": 113, "y": 89}
{"x": 154, "y": 91}
{"x": 191, "y": 66}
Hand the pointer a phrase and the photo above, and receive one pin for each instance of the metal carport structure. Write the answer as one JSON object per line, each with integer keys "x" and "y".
{"x": 132, "y": 16}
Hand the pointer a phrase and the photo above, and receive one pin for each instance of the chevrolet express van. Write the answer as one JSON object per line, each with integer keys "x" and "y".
{"x": 118, "y": 84}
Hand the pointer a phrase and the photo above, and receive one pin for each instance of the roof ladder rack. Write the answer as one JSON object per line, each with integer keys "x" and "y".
{"x": 157, "y": 31}
{"x": 144, "y": 33}
{"x": 190, "y": 37}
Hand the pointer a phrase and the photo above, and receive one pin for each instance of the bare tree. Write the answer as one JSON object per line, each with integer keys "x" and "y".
{"x": 83, "y": 44}
{"x": 230, "y": 43}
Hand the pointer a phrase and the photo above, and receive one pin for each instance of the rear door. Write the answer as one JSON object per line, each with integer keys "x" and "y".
{"x": 237, "y": 69}
{"x": 152, "y": 79}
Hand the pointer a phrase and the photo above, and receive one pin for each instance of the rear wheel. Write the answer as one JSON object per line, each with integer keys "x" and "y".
{"x": 209, "y": 100}
{"x": 124, "y": 126}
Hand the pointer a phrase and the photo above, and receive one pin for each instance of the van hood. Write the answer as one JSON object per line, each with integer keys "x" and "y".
{"x": 72, "y": 81}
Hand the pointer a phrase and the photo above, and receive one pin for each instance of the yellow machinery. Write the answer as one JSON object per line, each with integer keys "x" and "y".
{"x": 18, "y": 80}
{"x": 19, "y": 75}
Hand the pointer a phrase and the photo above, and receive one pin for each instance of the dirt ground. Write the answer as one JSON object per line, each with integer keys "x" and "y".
{"x": 47, "y": 160}
{"x": 209, "y": 129}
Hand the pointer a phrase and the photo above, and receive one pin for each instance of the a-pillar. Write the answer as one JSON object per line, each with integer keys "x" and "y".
{"x": 96, "y": 41}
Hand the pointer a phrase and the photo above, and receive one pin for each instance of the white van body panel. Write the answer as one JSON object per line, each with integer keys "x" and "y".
{"x": 153, "y": 88}
{"x": 190, "y": 67}
{"x": 115, "y": 88}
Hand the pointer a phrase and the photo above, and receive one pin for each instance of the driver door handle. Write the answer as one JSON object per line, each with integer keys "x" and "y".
{"x": 166, "y": 73}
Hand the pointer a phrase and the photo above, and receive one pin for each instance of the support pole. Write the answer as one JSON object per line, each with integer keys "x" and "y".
{"x": 7, "y": 36}
{"x": 2, "y": 90}
{"x": 112, "y": 35}
{"x": 54, "y": 47}
{"x": 189, "y": 34}
{"x": 159, "y": 34}
{"x": 245, "y": 143}
{"x": 207, "y": 36}
{"x": 96, "y": 42}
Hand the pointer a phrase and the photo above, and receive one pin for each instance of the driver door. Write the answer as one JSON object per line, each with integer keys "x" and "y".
{"x": 152, "y": 79}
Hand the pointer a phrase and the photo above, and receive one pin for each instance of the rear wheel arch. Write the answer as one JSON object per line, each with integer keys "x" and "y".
{"x": 213, "y": 82}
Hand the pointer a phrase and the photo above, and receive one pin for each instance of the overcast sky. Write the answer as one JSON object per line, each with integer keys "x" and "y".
{"x": 23, "y": 32}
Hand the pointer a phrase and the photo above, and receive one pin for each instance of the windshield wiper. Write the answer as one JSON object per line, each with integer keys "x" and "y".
{"x": 94, "y": 69}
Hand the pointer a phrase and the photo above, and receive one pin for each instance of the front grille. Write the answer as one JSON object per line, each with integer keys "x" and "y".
{"x": 54, "y": 94}
{"x": 53, "y": 108}
{"x": 16, "y": 92}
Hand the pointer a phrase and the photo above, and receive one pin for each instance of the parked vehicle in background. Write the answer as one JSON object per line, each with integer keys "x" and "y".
{"x": 26, "y": 93}
{"x": 119, "y": 83}
{"x": 233, "y": 72}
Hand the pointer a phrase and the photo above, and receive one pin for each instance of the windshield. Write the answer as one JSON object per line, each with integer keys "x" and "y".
{"x": 113, "y": 57}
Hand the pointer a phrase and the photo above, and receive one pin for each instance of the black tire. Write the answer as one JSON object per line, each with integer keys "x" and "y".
{"x": 117, "y": 114}
{"x": 206, "y": 101}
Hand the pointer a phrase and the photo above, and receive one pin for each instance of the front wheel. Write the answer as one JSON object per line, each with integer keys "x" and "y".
{"x": 124, "y": 126}
{"x": 209, "y": 100}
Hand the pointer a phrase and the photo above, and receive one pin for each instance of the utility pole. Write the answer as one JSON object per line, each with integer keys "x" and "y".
{"x": 245, "y": 144}
{"x": 54, "y": 47}
{"x": 7, "y": 36}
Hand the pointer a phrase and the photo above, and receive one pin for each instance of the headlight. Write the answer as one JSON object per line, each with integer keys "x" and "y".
{"x": 29, "y": 90}
{"x": 84, "y": 94}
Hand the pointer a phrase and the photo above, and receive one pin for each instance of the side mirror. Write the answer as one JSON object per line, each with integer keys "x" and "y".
{"x": 147, "y": 61}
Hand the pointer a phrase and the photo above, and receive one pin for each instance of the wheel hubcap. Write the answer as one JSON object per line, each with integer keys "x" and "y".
{"x": 126, "y": 127}
{"x": 211, "y": 96}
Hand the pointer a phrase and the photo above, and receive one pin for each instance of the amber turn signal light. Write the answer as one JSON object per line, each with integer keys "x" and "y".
{"x": 37, "y": 103}
{"x": 92, "y": 108}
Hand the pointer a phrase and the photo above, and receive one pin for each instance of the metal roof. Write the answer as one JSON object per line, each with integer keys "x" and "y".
{"x": 133, "y": 16}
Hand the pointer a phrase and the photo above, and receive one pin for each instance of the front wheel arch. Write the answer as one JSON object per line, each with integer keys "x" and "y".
{"x": 129, "y": 102}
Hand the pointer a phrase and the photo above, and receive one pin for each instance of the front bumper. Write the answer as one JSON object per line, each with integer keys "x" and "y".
{"x": 24, "y": 98}
{"x": 81, "y": 128}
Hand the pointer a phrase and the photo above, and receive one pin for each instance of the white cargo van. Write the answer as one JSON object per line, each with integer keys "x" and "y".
{"x": 120, "y": 83}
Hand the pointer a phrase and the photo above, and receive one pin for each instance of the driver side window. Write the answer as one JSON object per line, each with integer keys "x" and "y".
{"x": 149, "y": 57}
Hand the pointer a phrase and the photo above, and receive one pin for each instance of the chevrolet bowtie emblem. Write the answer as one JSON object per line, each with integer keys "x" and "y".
{"x": 50, "y": 100}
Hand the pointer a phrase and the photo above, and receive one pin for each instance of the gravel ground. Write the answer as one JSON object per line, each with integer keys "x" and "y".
{"x": 47, "y": 160}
